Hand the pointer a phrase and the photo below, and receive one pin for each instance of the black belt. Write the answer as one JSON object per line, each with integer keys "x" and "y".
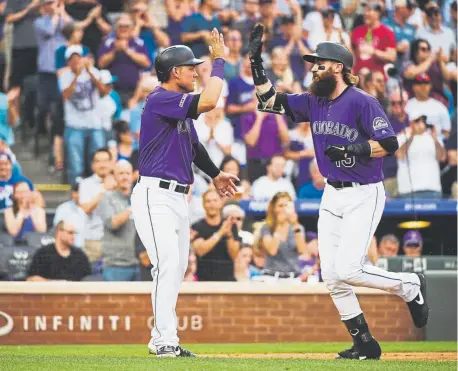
{"x": 339, "y": 184}
{"x": 165, "y": 184}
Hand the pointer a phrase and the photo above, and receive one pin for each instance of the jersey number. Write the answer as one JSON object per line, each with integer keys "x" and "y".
{"x": 348, "y": 162}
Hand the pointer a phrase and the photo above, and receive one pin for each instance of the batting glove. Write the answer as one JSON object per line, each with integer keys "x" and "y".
{"x": 336, "y": 153}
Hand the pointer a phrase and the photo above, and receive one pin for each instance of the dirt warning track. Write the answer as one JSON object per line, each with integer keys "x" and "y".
{"x": 423, "y": 356}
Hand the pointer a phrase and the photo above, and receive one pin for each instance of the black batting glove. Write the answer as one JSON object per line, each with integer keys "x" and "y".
{"x": 337, "y": 152}
{"x": 255, "y": 44}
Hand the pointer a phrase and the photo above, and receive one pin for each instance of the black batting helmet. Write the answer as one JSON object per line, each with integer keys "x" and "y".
{"x": 331, "y": 51}
{"x": 174, "y": 56}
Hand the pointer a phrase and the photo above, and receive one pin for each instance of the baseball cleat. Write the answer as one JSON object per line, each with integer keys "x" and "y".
{"x": 418, "y": 307}
{"x": 171, "y": 351}
{"x": 372, "y": 351}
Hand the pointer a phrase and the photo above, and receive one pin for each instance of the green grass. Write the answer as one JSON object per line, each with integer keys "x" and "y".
{"x": 135, "y": 357}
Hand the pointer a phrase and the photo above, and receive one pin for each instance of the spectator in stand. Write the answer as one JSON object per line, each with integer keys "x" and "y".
{"x": 122, "y": 148}
{"x": 242, "y": 263}
{"x": 449, "y": 173}
{"x": 265, "y": 135}
{"x": 190, "y": 274}
{"x": 92, "y": 19}
{"x": 72, "y": 211}
{"x": 5, "y": 148}
{"x": 282, "y": 237}
{"x": 215, "y": 133}
{"x": 412, "y": 244}
{"x": 373, "y": 43}
{"x": 438, "y": 36}
{"x": 403, "y": 31}
{"x": 214, "y": 244}
{"x": 196, "y": 28}
{"x": 81, "y": 91}
{"x": 309, "y": 260}
{"x": 8, "y": 180}
{"x": 24, "y": 216}
{"x": 329, "y": 31}
{"x": 107, "y": 107}
{"x": 9, "y": 116}
{"x": 73, "y": 33}
{"x": 48, "y": 31}
{"x": 177, "y": 11}
{"x": 269, "y": 185}
{"x": 290, "y": 38}
{"x": 90, "y": 193}
{"x": 232, "y": 166}
{"x": 389, "y": 246}
{"x": 240, "y": 100}
{"x": 204, "y": 73}
{"x": 399, "y": 121}
{"x": 237, "y": 216}
{"x": 419, "y": 155}
{"x": 22, "y": 14}
{"x": 375, "y": 85}
{"x": 424, "y": 62}
{"x": 247, "y": 20}
{"x": 145, "y": 265}
{"x": 280, "y": 73}
{"x": 60, "y": 260}
{"x": 268, "y": 11}
{"x": 301, "y": 151}
{"x": 147, "y": 29}
{"x": 118, "y": 244}
{"x": 234, "y": 44}
{"x": 125, "y": 56}
{"x": 315, "y": 188}
{"x": 423, "y": 104}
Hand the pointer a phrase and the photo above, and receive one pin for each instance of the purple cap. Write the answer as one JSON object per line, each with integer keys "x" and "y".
{"x": 413, "y": 237}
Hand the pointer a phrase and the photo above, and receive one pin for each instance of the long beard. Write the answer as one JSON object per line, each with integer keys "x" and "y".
{"x": 324, "y": 86}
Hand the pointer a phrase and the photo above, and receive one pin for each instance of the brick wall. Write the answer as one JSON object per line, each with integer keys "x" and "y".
{"x": 209, "y": 318}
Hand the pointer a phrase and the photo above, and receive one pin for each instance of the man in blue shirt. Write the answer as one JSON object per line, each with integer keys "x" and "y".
{"x": 196, "y": 28}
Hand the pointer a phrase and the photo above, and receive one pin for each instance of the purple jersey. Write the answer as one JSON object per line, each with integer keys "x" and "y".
{"x": 353, "y": 117}
{"x": 167, "y": 137}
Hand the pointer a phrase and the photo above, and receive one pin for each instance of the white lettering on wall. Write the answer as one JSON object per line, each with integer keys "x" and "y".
{"x": 127, "y": 323}
{"x": 25, "y": 322}
{"x": 114, "y": 322}
{"x": 71, "y": 323}
{"x": 100, "y": 327}
{"x": 56, "y": 322}
{"x": 40, "y": 323}
{"x": 85, "y": 323}
{"x": 184, "y": 324}
{"x": 196, "y": 323}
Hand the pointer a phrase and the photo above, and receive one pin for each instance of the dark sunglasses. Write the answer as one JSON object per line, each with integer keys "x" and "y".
{"x": 432, "y": 11}
{"x": 412, "y": 245}
{"x": 424, "y": 49}
{"x": 395, "y": 102}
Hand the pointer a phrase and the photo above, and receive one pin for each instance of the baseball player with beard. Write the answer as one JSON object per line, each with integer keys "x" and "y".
{"x": 351, "y": 134}
{"x": 168, "y": 147}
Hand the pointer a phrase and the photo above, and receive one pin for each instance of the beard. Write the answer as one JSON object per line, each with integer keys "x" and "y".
{"x": 324, "y": 85}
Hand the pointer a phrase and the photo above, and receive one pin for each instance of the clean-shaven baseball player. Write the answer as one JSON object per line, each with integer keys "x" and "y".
{"x": 168, "y": 146}
{"x": 351, "y": 134}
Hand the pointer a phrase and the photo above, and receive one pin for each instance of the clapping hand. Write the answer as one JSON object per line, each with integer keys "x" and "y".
{"x": 217, "y": 47}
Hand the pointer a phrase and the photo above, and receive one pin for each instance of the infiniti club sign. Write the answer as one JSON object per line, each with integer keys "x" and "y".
{"x": 8, "y": 326}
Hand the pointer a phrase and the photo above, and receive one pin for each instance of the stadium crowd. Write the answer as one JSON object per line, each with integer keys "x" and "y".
{"x": 91, "y": 65}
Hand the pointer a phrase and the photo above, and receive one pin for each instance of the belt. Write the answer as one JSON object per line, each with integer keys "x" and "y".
{"x": 339, "y": 184}
{"x": 171, "y": 185}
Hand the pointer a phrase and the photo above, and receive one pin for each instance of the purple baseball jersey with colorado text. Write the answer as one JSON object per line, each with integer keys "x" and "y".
{"x": 353, "y": 117}
{"x": 167, "y": 137}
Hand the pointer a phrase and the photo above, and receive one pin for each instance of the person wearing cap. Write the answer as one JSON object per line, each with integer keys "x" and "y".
{"x": 440, "y": 37}
{"x": 73, "y": 33}
{"x": 312, "y": 190}
{"x": 81, "y": 92}
{"x": 351, "y": 135}
{"x": 419, "y": 156}
{"x": 403, "y": 31}
{"x": 388, "y": 246}
{"x": 106, "y": 106}
{"x": 373, "y": 42}
{"x": 423, "y": 104}
{"x": 412, "y": 244}
{"x": 71, "y": 211}
{"x": 125, "y": 56}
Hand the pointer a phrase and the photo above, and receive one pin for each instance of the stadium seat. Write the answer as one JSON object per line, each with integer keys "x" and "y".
{"x": 15, "y": 262}
{"x": 36, "y": 239}
{"x": 6, "y": 239}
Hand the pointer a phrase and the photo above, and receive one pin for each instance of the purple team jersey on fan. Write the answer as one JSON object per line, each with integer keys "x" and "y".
{"x": 353, "y": 117}
{"x": 167, "y": 137}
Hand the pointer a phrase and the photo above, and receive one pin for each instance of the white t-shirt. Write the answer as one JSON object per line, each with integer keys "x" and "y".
{"x": 317, "y": 37}
{"x": 80, "y": 110}
{"x": 313, "y": 23}
{"x": 444, "y": 39}
{"x": 424, "y": 167}
{"x": 106, "y": 108}
{"x": 223, "y": 134}
{"x": 89, "y": 189}
{"x": 264, "y": 188}
{"x": 436, "y": 113}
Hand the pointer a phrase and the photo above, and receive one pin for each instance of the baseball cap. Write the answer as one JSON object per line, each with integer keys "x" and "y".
{"x": 263, "y": 2}
{"x": 73, "y": 49}
{"x": 372, "y": 5}
{"x": 417, "y": 115}
{"x": 421, "y": 79}
{"x": 325, "y": 12}
{"x": 413, "y": 238}
{"x": 46, "y": 1}
{"x": 107, "y": 78}
{"x": 5, "y": 156}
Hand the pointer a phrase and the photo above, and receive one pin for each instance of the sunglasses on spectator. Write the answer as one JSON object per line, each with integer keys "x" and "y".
{"x": 395, "y": 102}
{"x": 432, "y": 11}
{"x": 412, "y": 245}
{"x": 424, "y": 49}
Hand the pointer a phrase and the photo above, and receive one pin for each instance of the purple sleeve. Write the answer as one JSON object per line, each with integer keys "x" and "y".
{"x": 170, "y": 104}
{"x": 299, "y": 105}
{"x": 105, "y": 48}
{"x": 232, "y": 96}
{"x": 374, "y": 121}
{"x": 247, "y": 122}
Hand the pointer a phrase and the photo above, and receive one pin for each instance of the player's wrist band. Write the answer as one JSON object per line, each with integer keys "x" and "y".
{"x": 360, "y": 150}
{"x": 218, "y": 68}
{"x": 259, "y": 75}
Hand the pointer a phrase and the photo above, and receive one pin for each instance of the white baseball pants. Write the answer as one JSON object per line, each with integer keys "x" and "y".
{"x": 161, "y": 220}
{"x": 347, "y": 221}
